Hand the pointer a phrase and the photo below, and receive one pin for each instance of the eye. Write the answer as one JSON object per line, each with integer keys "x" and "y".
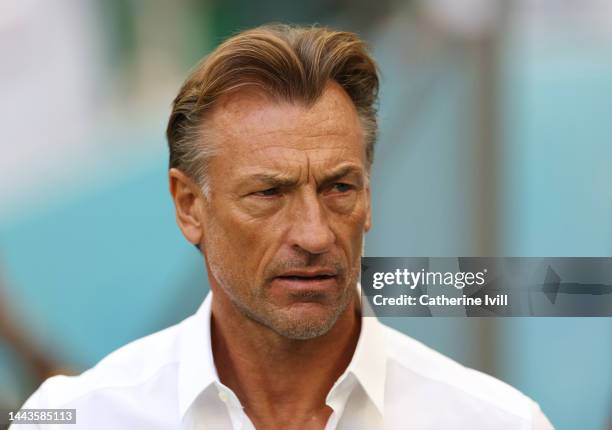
{"x": 340, "y": 187}
{"x": 270, "y": 192}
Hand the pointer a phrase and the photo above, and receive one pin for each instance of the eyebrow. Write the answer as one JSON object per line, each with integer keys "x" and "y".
{"x": 273, "y": 179}
{"x": 286, "y": 181}
{"x": 342, "y": 171}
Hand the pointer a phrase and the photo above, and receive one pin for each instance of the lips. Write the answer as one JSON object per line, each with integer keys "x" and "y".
{"x": 306, "y": 278}
{"x": 313, "y": 279}
{"x": 308, "y": 275}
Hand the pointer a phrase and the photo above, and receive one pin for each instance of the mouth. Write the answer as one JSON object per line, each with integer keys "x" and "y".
{"x": 313, "y": 280}
{"x": 306, "y": 277}
{"x": 309, "y": 275}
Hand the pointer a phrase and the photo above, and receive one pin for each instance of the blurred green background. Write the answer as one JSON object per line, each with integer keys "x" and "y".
{"x": 495, "y": 139}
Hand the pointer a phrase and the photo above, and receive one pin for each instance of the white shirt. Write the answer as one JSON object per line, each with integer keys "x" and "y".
{"x": 168, "y": 380}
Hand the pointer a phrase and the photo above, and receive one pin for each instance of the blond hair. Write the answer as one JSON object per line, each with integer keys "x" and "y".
{"x": 290, "y": 63}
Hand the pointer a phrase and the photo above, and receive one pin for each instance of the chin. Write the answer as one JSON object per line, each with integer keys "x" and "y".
{"x": 302, "y": 321}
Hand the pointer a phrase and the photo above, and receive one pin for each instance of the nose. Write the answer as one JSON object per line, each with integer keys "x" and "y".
{"x": 310, "y": 230}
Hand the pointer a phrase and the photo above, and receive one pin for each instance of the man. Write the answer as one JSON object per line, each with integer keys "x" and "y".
{"x": 271, "y": 143}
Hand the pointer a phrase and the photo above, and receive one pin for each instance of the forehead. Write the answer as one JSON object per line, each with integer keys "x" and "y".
{"x": 248, "y": 122}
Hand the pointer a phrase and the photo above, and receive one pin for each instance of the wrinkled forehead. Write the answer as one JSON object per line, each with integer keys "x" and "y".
{"x": 250, "y": 120}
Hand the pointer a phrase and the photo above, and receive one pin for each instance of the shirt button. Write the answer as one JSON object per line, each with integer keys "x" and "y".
{"x": 223, "y": 396}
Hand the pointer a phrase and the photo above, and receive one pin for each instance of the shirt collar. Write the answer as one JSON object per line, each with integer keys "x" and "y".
{"x": 197, "y": 369}
{"x": 369, "y": 362}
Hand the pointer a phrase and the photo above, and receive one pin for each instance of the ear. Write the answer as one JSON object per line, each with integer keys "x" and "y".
{"x": 188, "y": 203}
{"x": 368, "y": 221}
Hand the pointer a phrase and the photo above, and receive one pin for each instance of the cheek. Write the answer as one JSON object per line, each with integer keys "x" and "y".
{"x": 358, "y": 215}
{"x": 232, "y": 241}
{"x": 346, "y": 205}
{"x": 350, "y": 229}
{"x": 241, "y": 241}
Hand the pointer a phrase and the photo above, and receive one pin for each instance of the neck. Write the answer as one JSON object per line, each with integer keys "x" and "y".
{"x": 280, "y": 380}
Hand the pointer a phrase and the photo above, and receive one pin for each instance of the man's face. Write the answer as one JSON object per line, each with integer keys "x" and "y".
{"x": 288, "y": 206}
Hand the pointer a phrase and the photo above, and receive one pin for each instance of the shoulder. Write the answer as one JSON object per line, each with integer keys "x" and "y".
{"x": 124, "y": 369}
{"x": 436, "y": 377}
